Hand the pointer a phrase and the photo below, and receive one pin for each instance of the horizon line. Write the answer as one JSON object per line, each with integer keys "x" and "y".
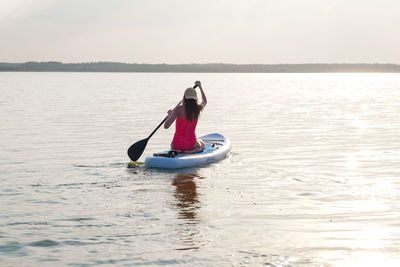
{"x": 193, "y": 63}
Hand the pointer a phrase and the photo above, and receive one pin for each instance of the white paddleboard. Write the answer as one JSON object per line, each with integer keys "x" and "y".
{"x": 217, "y": 147}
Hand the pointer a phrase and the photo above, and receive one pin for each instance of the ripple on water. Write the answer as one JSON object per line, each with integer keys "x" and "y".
{"x": 44, "y": 243}
{"x": 78, "y": 219}
{"x": 13, "y": 249}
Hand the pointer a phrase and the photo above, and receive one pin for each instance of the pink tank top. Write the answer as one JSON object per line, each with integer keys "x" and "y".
{"x": 185, "y": 136}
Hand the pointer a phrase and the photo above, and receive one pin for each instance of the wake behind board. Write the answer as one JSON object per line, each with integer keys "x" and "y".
{"x": 217, "y": 147}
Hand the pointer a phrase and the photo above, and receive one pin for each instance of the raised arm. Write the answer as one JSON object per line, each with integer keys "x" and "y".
{"x": 203, "y": 95}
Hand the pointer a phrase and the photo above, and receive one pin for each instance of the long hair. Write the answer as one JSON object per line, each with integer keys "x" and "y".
{"x": 192, "y": 109}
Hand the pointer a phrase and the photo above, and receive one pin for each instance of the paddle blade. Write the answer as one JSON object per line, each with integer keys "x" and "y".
{"x": 136, "y": 150}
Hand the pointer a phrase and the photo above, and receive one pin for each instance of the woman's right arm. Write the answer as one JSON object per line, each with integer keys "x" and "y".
{"x": 203, "y": 95}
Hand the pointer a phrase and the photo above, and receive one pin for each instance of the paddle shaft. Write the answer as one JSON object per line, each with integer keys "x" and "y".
{"x": 155, "y": 130}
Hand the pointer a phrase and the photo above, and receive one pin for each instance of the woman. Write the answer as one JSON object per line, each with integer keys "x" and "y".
{"x": 186, "y": 114}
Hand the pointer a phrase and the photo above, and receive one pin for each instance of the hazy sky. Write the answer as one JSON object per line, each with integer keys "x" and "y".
{"x": 201, "y": 31}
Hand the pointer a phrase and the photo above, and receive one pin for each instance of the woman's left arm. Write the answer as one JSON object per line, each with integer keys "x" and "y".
{"x": 170, "y": 119}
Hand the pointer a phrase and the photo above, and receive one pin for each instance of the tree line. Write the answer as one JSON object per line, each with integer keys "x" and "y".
{"x": 54, "y": 66}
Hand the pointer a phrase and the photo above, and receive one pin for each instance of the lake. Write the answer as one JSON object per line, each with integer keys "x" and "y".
{"x": 313, "y": 177}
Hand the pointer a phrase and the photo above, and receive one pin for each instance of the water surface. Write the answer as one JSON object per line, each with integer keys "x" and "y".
{"x": 312, "y": 179}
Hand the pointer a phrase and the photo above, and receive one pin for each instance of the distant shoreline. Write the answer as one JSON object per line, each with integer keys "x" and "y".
{"x": 54, "y": 66}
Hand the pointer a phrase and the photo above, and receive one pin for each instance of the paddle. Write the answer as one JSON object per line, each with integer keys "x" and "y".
{"x": 136, "y": 150}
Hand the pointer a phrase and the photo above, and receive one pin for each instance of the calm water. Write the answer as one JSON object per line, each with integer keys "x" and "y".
{"x": 313, "y": 177}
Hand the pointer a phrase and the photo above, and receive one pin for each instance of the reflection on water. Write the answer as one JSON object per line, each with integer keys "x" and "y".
{"x": 186, "y": 196}
{"x": 187, "y": 204}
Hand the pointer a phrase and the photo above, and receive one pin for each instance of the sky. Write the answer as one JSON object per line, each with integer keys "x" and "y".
{"x": 201, "y": 31}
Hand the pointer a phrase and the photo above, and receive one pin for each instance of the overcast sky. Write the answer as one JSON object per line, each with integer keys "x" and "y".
{"x": 201, "y": 31}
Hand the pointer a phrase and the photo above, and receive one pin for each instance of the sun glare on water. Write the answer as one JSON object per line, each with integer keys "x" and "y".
{"x": 368, "y": 259}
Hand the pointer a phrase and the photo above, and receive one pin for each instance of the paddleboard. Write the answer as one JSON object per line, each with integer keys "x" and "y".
{"x": 217, "y": 147}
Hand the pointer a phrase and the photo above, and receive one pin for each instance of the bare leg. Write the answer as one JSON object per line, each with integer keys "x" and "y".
{"x": 201, "y": 144}
{"x": 198, "y": 147}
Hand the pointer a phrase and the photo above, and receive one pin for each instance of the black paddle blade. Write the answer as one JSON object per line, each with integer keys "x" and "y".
{"x": 136, "y": 150}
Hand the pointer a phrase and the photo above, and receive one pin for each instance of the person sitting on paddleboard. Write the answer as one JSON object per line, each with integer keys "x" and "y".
{"x": 186, "y": 114}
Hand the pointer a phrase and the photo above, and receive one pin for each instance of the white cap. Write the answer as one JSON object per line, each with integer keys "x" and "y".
{"x": 190, "y": 93}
